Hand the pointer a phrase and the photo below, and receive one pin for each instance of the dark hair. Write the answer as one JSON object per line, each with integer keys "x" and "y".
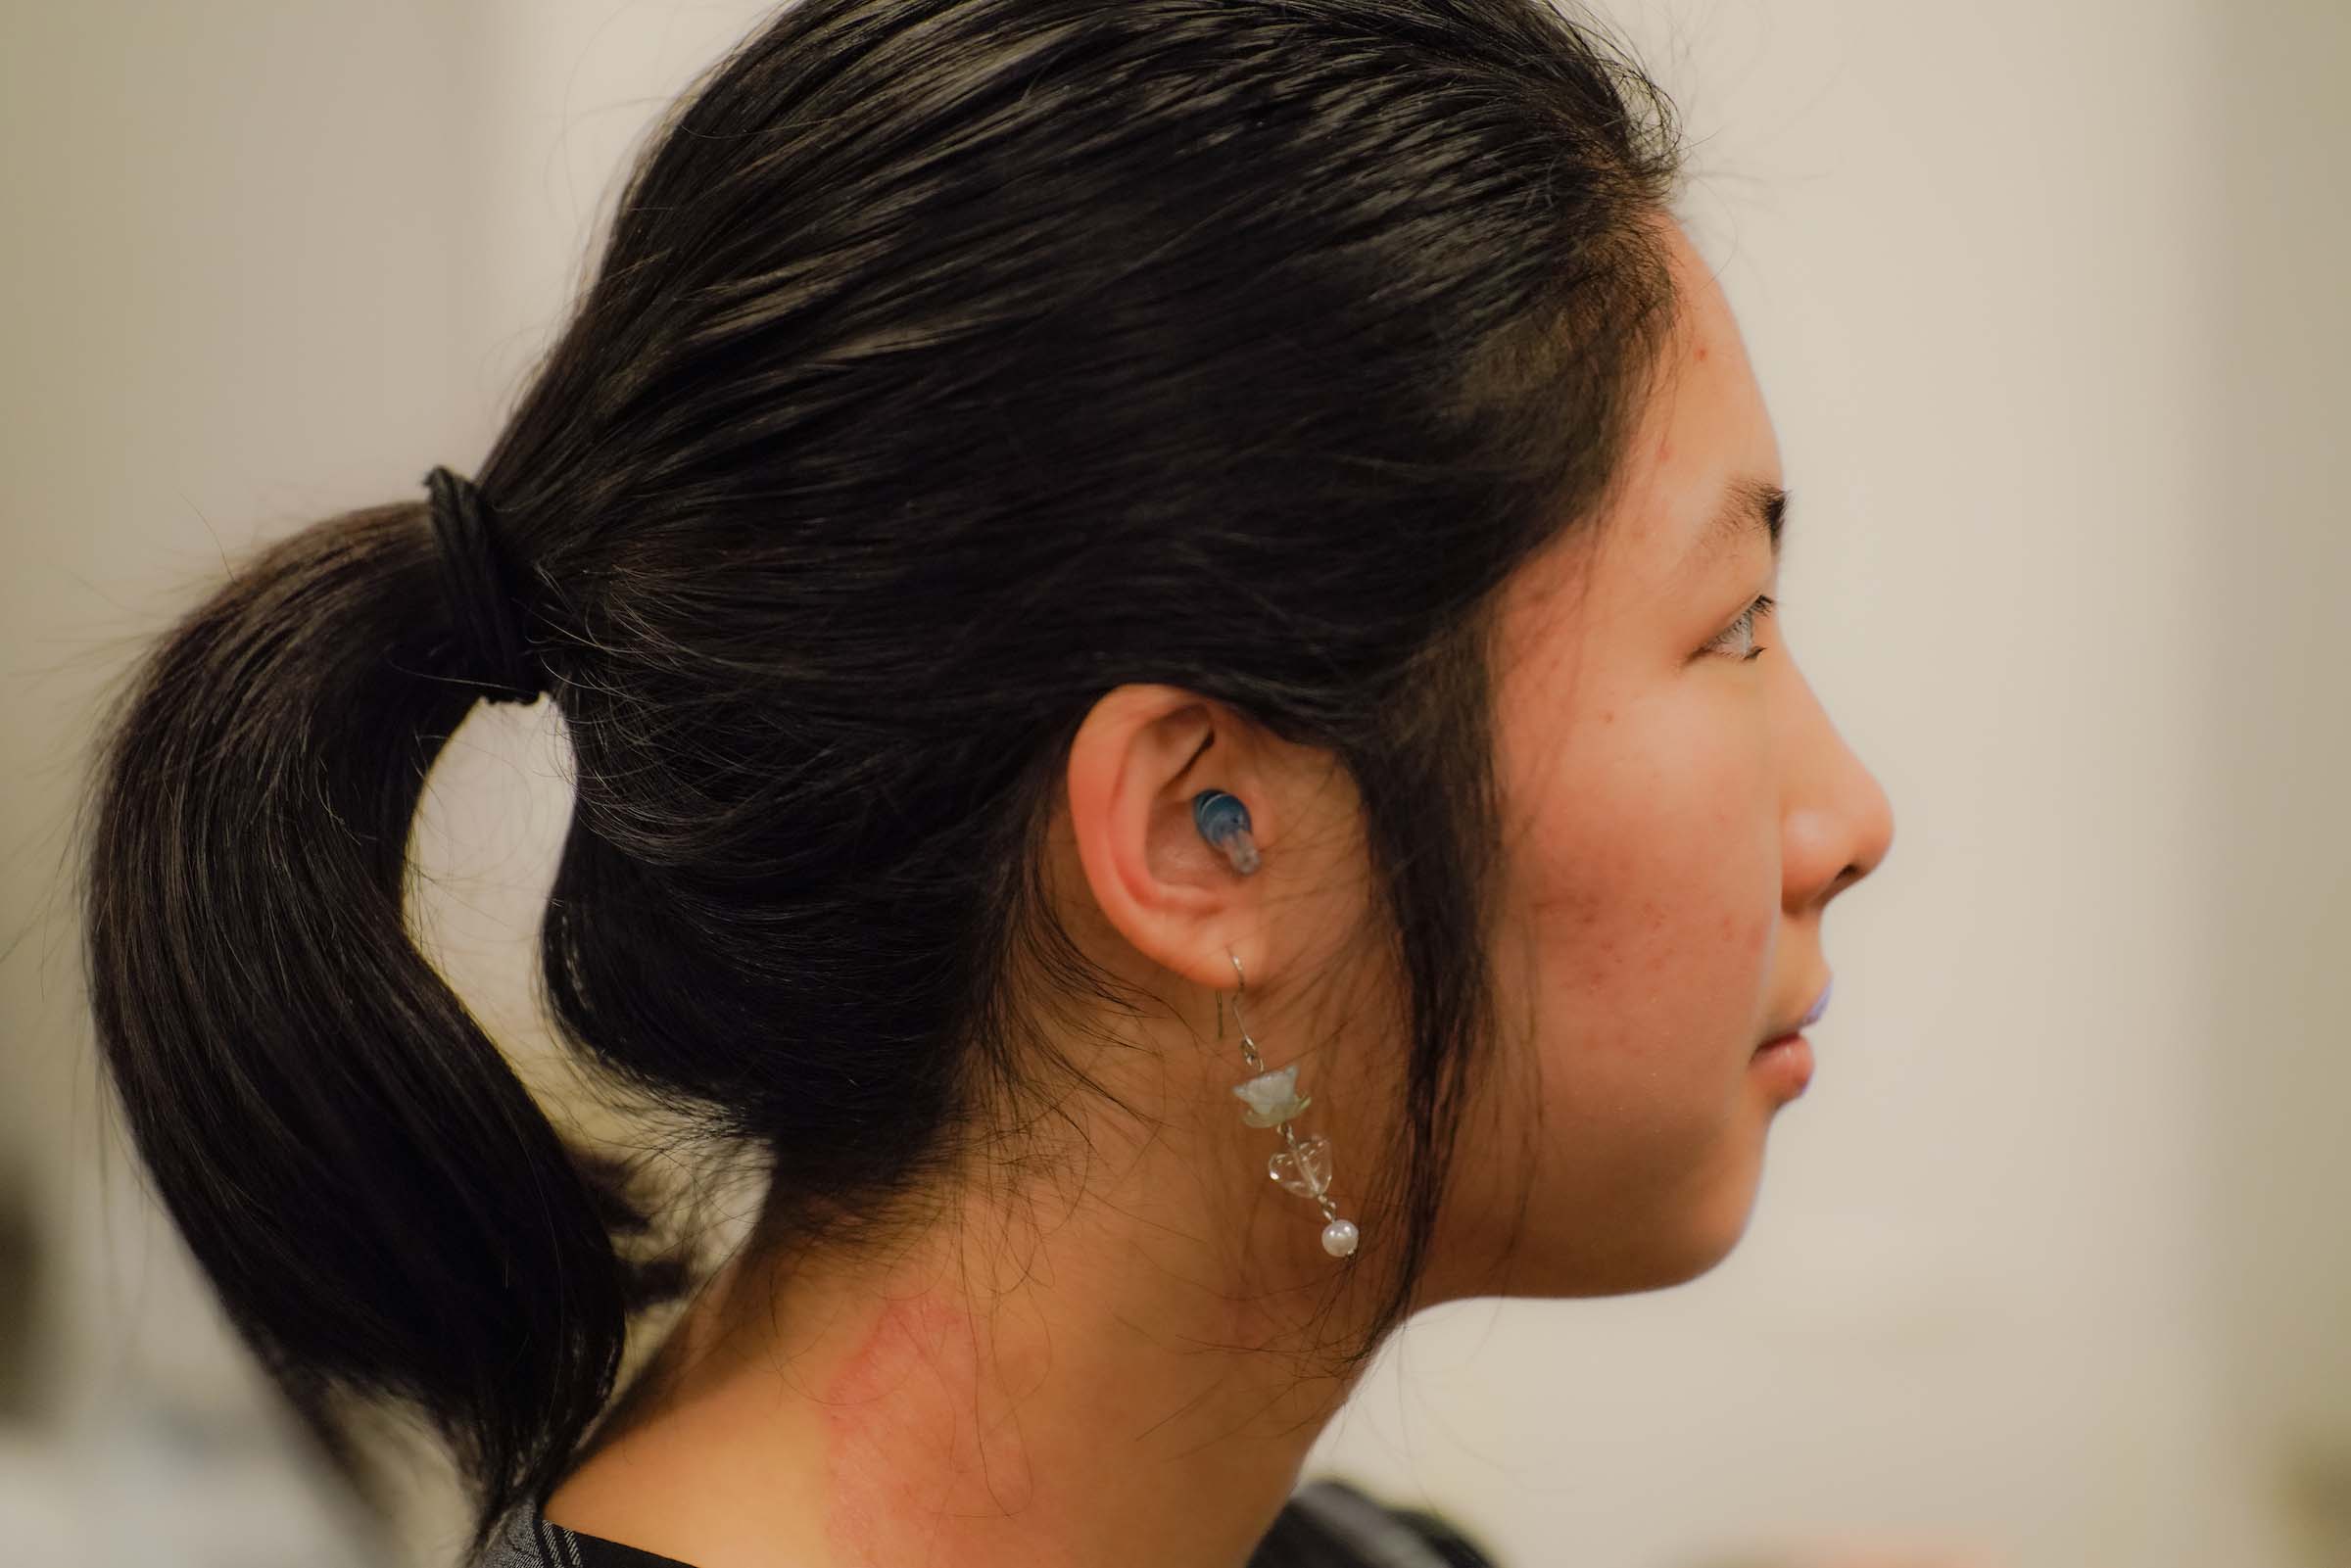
{"x": 951, "y": 362}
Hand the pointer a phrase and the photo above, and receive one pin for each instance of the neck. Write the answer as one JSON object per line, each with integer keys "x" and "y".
{"x": 1105, "y": 1383}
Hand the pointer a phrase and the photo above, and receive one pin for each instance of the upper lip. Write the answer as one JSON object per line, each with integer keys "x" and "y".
{"x": 1820, "y": 1004}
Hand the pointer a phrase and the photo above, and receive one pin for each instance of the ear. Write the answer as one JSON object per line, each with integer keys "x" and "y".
{"x": 1136, "y": 761}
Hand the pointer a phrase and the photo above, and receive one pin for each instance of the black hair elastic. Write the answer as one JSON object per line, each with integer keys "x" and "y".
{"x": 483, "y": 606}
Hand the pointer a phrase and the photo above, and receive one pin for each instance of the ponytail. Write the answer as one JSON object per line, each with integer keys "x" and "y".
{"x": 382, "y": 1207}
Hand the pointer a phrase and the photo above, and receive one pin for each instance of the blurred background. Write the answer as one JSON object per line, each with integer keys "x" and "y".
{"x": 2048, "y": 296}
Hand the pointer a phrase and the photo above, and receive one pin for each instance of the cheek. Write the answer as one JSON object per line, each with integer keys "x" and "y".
{"x": 1647, "y": 898}
{"x": 1642, "y": 911}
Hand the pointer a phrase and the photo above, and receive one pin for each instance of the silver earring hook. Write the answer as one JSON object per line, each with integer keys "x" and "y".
{"x": 1241, "y": 986}
{"x": 1248, "y": 1045}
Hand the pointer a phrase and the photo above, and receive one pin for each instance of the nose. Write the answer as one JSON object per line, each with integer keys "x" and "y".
{"x": 1838, "y": 822}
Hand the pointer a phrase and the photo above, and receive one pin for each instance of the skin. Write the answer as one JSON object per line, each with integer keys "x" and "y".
{"x": 1104, "y": 1351}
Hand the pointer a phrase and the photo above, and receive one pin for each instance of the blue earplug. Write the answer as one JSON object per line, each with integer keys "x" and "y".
{"x": 1224, "y": 822}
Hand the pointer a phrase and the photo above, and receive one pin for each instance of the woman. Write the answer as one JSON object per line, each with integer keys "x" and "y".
{"x": 1148, "y": 594}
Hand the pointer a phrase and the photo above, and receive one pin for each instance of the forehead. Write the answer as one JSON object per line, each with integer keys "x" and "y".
{"x": 1705, "y": 456}
{"x": 1702, "y": 445}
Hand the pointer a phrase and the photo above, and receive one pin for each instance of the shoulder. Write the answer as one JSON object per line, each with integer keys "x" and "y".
{"x": 1334, "y": 1524}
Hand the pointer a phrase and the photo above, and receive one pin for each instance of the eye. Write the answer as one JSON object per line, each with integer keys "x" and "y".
{"x": 1743, "y": 629}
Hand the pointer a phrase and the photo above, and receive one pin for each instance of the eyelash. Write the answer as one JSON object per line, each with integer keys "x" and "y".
{"x": 1763, "y": 605}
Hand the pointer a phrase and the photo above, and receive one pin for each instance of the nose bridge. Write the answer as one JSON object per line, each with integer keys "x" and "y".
{"x": 1836, "y": 822}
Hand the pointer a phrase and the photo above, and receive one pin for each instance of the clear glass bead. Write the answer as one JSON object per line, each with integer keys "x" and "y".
{"x": 1304, "y": 1170}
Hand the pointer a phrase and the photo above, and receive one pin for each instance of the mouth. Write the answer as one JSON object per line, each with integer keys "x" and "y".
{"x": 1812, "y": 1016}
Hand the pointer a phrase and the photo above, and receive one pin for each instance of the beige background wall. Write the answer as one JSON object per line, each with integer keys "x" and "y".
{"x": 2047, "y": 301}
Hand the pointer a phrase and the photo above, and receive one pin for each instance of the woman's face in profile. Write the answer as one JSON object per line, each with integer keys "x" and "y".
{"x": 1680, "y": 816}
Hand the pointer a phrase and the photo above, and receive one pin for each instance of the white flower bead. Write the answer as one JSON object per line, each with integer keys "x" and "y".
{"x": 1272, "y": 1098}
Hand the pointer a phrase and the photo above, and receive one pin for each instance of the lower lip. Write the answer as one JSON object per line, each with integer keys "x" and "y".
{"x": 1786, "y": 1064}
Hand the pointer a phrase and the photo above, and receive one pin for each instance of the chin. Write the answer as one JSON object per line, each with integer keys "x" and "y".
{"x": 1709, "y": 1236}
{"x": 1708, "y": 1244}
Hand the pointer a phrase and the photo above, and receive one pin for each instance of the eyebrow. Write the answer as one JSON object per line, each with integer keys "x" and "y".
{"x": 1747, "y": 504}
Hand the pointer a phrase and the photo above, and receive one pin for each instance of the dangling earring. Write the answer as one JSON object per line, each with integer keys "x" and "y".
{"x": 1273, "y": 1100}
